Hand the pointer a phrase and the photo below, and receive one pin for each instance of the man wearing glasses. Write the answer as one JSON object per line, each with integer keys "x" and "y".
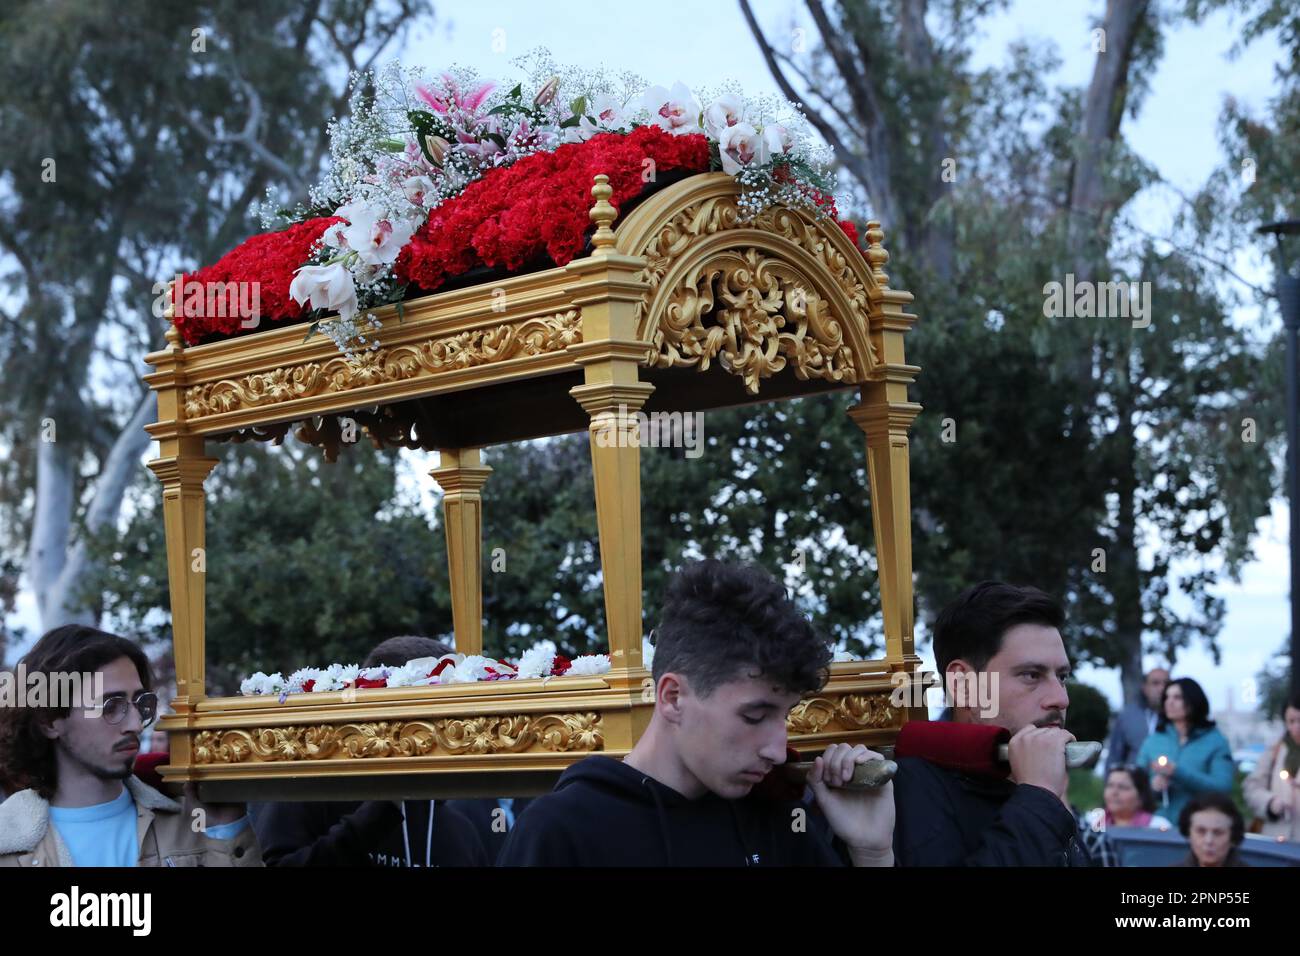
{"x": 82, "y": 805}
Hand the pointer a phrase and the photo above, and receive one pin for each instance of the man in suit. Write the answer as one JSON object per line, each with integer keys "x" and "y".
{"x": 1136, "y": 721}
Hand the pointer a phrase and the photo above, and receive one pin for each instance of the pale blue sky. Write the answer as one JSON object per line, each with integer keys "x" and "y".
{"x": 705, "y": 42}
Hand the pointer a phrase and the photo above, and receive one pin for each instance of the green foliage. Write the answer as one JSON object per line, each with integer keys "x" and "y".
{"x": 1275, "y": 684}
{"x": 137, "y": 136}
{"x": 1089, "y": 715}
{"x": 307, "y": 563}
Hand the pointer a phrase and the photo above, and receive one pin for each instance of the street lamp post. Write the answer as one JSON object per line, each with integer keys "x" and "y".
{"x": 1288, "y": 297}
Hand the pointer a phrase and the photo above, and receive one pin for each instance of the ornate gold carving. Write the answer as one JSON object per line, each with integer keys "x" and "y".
{"x": 475, "y": 347}
{"x": 766, "y": 315}
{"x": 769, "y": 314}
{"x": 556, "y": 733}
{"x": 814, "y": 715}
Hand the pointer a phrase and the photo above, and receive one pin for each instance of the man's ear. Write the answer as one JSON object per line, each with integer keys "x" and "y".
{"x": 958, "y": 673}
{"x": 672, "y": 688}
{"x": 51, "y": 729}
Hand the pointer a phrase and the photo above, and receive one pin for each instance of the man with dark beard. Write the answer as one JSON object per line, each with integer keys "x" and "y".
{"x": 1005, "y": 643}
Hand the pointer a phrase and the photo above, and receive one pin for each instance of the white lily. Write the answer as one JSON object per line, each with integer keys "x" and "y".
{"x": 325, "y": 287}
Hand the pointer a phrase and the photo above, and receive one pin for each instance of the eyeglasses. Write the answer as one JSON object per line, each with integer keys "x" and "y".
{"x": 116, "y": 707}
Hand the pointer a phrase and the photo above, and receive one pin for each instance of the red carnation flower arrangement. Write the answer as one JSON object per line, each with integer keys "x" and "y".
{"x": 268, "y": 259}
{"x": 539, "y": 206}
{"x": 478, "y": 177}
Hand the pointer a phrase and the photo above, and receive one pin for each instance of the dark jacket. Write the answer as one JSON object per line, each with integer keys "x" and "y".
{"x": 1133, "y": 725}
{"x": 490, "y": 821}
{"x": 605, "y": 813}
{"x": 373, "y": 833}
{"x": 950, "y": 819}
{"x": 1234, "y": 859}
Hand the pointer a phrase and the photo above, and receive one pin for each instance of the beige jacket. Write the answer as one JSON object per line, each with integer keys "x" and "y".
{"x": 1264, "y": 783}
{"x": 162, "y": 824}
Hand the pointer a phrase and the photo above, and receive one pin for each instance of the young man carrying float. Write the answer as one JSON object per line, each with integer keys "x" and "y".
{"x": 732, "y": 657}
{"x": 1010, "y": 637}
{"x": 82, "y": 805}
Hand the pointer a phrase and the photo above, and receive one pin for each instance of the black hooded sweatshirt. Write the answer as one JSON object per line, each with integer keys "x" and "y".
{"x": 375, "y": 833}
{"x": 606, "y": 813}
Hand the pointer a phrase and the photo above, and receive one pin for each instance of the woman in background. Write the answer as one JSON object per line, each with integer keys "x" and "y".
{"x": 1187, "y": 755}
{"x": 1128, "y": 801}
{"x": 1272, "y": 791}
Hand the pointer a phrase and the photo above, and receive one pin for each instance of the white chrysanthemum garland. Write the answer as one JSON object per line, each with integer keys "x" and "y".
{"x": 409, "y": 145}
{"x": 539, "y": 661}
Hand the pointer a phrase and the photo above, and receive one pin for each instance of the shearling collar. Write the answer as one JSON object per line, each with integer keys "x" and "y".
{"x": 25, "y": 816}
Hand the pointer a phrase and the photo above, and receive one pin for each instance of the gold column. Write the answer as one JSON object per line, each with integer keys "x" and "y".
{"x": 606, "y": 287}
{"x": 885, "y": 414}
{"x": 181, "y": 466}
{"x": 461, "y": 475}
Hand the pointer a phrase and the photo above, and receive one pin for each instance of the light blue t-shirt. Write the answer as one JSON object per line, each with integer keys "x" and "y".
{"x": 104, "y": 834}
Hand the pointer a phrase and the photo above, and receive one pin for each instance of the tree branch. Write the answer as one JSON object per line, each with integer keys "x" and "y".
{"x": 247, "y": 137}
{"x": 852, "y": 159}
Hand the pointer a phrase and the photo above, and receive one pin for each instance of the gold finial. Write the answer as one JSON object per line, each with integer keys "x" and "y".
{"x": 877, "y": 255}
{"x": 602, "y": 214}
{"x": 172, "y": 335}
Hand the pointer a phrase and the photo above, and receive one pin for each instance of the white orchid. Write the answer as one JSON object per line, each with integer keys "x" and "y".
{"x": 418, "y": 189}
{"x": 608, "y": 115}
{"x": 722, "y": 113}
{"x": 374, "y": 233}
{"x": 676, "y": 110}
{"x": 325, "y": 287}
{"x": 332, "y": 237}
{"x": 776, "y": 140}
{"x": 588, "y": 665}
{"x": 738, "y": 146}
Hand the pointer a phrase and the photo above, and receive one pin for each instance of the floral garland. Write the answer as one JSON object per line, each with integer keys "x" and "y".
{"x": 428, "y": 180}
{"x": 539, "y": 661}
